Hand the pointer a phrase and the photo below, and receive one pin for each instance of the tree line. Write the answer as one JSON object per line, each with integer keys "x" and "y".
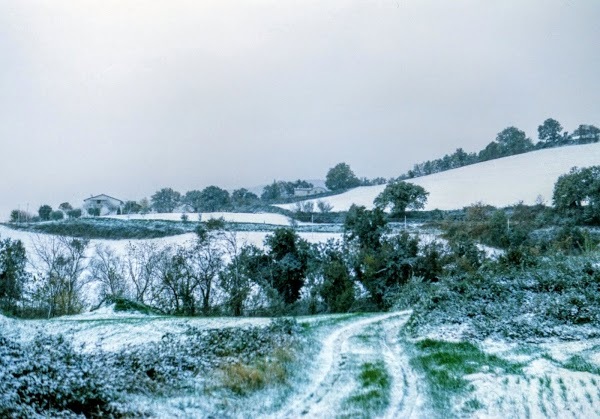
{"x": 510, "y": 141}
{"x": 218, "y": 274}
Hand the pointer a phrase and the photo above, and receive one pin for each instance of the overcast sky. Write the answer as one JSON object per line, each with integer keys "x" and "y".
{"x": 124, "y": 97}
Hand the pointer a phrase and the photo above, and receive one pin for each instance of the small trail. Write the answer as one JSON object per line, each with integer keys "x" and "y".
{"x": 337, "y": 369}
{"x": 405, "y": 399}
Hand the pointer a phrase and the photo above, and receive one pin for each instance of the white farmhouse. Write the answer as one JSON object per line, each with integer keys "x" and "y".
{"x": 104, "y": 203}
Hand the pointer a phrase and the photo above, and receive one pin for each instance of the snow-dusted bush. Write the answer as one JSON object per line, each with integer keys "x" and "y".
{"x": 48, "y": 377}
{"x": 553, "y": 298}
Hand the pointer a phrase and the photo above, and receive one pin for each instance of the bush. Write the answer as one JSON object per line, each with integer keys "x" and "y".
{"x": 47, "y": 377}
{"x": 57, "y": 215}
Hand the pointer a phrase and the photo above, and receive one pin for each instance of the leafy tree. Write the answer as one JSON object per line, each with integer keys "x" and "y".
{"x": 513, "y": 141}
{"x": 288, "y": 255}
{"x": 364, "y": 226}
{"x": 281, "y": 189}
{"x": 550, "y": 133}
{"x": 341, "y": 177}
{"x": 13, "y": 275}
{"x": 578, "y": 193}
{"x": 585, "y": 134}
{"x": 44, "y": 212}
{"x": 272, "y": 192}
{"x": 65, "y": 206}
{"x": 492, "y": 151}
{"x": 337, "y": 289}
{"x": 243, "y": 197}
{"x": 74, "y": 213}
{"x": 57, "y": 215}
{"x": 193, "y": 198}
{"x": 131, "y": 207}
{"x": 213, "y": 198}
{"x": 94, "y": 212}
{"x": 401, "y": 196}
{"x": 165, "y": 200}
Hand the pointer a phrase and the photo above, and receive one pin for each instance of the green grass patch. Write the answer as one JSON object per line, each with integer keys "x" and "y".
{"x": 445, "y": 365}
{"x": 373, "y": 394}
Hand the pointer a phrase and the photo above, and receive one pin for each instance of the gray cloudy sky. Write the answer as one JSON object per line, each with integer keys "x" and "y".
{"x": 124, "y": 97}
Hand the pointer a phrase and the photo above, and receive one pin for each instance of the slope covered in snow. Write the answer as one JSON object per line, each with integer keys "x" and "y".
{"x": 502, "y": 182}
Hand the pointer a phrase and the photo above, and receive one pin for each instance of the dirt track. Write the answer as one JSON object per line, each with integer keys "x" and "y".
{"x": 373, "y": 339}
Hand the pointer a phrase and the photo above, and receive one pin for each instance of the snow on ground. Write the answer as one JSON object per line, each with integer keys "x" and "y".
{"x": 545, "y": 388}
{"x": 244, "y": 237}
{"x": 232, "y": 217}
{"x": 500, "y": 182}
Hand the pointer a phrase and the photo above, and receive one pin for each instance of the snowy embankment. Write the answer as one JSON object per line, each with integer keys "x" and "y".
{"x": 231, "y": 217}
{"x": 525, "y": 177}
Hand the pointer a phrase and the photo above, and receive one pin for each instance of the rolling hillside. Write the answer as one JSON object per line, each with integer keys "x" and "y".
{"x": 501, "y": 182}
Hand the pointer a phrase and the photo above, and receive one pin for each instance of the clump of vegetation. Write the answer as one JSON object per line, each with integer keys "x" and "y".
{"x": 48, "y": 377}
{"x": 127, "y": 305}
{"x": 242, "y": 378}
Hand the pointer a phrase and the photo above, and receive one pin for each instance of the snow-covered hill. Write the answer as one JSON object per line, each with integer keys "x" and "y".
{"x": 502, "y": 182}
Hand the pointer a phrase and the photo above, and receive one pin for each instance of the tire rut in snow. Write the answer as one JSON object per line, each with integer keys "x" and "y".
{"x": 336, "y": 374}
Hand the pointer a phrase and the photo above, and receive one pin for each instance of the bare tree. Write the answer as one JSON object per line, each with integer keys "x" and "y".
{"x": 233, "y": 279}
{"x": 107, "y": 268}
{"x": 60, "y": 262}
{"x": 205, "y": 262}
{"x": 141, "y": 264}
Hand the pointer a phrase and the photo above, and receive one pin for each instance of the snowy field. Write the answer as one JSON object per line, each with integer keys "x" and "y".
{"x": 502, "y": 182}
{"x": 329, "y": 378}
{"x": 244, "y": 237}
{"x": 231, "y": 217}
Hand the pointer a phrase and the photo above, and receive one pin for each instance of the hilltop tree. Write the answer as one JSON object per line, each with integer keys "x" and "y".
{"x": 550, "y": 133}
{"x": 341, "y": 177}
{"x": 401, "y": 196}
{"x": 165, "y": 200}
{"x": 513, "y": 141}
{"x": 585, "y": 134}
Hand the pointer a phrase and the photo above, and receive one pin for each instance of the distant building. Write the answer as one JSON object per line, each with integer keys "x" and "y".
{"x": 316, "y": 190}
{"x": 104, "y": 204}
